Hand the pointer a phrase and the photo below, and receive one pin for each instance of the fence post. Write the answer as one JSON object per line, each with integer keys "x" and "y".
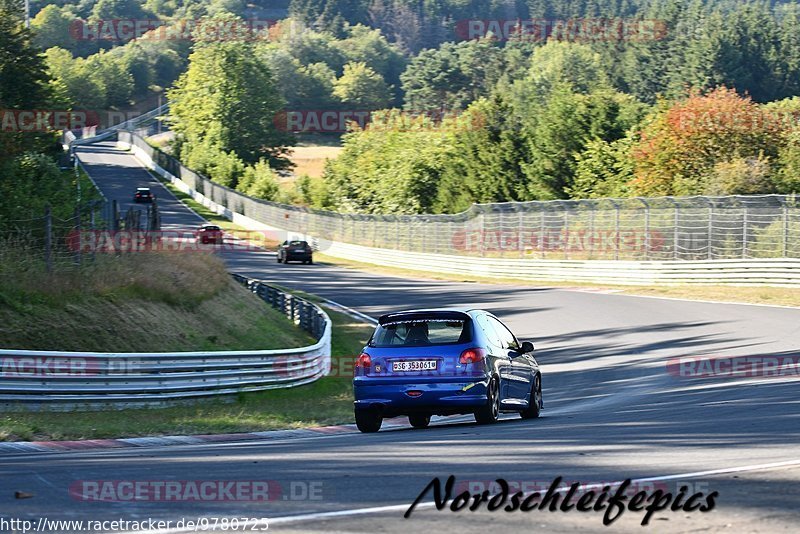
{"x": 710, "y": 227}
{"x": 114, "y": 216}
{"x": 483, "y": 234}
{"x": 566, "y": 231}
{"x": 616, "y": 229}
{"x": 646, "y": 227}
{"x": 744, "y": 233}
{"x": 91, "y": 228}
{"x": 675, "y": 230}
{"x": 541, "y": 233}
{"x": 591, "y": 228}
{"x": 48, "y": 238}
{"x": 785, "y": 229}
{"x": 78, "y": 227}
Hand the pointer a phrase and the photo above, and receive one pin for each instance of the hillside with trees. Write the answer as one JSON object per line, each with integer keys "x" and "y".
{"x": 643, "y": 97}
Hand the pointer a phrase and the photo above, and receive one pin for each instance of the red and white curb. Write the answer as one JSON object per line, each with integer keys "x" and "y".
{"x": 164, "y": 441}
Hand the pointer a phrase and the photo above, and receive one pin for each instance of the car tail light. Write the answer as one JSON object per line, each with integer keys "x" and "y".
{"x": 472, "y": 356}
{"x": 363, "y": 361}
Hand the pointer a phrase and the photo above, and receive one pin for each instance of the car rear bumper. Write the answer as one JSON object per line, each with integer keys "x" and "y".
{"x": 298, "y": 256}
{"x": 461, "y": 395}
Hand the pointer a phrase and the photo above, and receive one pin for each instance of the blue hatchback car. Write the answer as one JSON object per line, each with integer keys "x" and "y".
{"x": 421, "y": 363}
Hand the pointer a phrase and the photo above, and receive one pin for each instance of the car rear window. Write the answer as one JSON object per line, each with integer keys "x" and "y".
{"x": 421, "y": 332}
{"x": 297, "y": 243}
{"x": 211, "y": 228}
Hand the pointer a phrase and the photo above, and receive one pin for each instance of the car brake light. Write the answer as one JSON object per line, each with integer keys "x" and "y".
{"x": 363, "y": 361}
{"x": 472, "y": 356}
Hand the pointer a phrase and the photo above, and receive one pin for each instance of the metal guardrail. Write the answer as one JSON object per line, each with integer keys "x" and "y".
{"x": 773, "y": 270}
{"x": 53, "y": 380}
{"x": 784, "y": 272}
{"x": 130, "y": 124}
{"x": 640, "y": 229}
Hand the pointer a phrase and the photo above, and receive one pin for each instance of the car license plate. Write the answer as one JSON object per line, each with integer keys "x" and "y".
{"x": 414, "y": 365}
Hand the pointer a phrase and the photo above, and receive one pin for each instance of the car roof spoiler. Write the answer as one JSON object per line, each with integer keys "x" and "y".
{"x": 420, "y": 315}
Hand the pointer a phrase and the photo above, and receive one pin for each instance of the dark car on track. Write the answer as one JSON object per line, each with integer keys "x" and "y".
{"x": 421, "y": 363}
{"x": 210, "y": 233}
{"x": 295, "y": 251}
{"x": 143, "y": 194}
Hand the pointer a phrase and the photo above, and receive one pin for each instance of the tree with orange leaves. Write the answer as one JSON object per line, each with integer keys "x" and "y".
{"x": 682, "y": 145}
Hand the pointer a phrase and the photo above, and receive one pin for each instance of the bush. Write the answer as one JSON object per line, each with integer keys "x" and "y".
{"x": 769, "y": 242}
{"x": 259, "y": 181}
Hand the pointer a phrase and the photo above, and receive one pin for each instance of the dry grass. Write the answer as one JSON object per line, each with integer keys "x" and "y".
{"x": 137, "y": 302}
{"x": 310, "y": 160}
{"x": 173, "y": 278}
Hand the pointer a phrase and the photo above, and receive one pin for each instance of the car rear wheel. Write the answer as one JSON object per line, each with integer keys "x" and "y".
{"x": 419, "y": 420}
{"x": 368, "y": 420}
{"x": 310, "y": 261}
{"x": 279, "y": 258}
{"x": 490, "y": 412}
{"x": 535, "y": 406}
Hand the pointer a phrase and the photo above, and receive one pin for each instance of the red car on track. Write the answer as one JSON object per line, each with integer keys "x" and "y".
{"x": 210, "y": 233}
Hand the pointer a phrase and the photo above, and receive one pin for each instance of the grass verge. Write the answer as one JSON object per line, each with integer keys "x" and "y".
{"x": 136, "y": 303}
{"x": 326, "y": 401}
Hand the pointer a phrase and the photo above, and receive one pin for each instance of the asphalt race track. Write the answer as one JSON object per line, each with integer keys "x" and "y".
{"x": 612, "y": 411}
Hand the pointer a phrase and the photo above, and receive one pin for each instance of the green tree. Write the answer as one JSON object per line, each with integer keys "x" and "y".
{"x": 369, "y": 46}
{"x": 362, "y": 88}
{"x": 452, "y": 76}
{"x": 394, "y": 165}
{"x": 485, "y": 162}
{"x": 227, "y": 99}
{"x": 51, "y": 27}
{"x": 259, "y": 181}
{"x": 603, "y": 169}
{"x": 117, "y": 9}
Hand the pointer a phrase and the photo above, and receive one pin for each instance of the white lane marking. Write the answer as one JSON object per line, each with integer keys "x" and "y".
{"x": 284, "y": 520}
{"x": 349, "y": 311}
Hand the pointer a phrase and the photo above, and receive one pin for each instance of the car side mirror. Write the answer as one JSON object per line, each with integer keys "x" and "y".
{"x": 526, "y": 347}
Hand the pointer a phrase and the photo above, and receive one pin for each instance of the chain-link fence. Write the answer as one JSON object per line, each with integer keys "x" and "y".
{"x": 664, "y": 228}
